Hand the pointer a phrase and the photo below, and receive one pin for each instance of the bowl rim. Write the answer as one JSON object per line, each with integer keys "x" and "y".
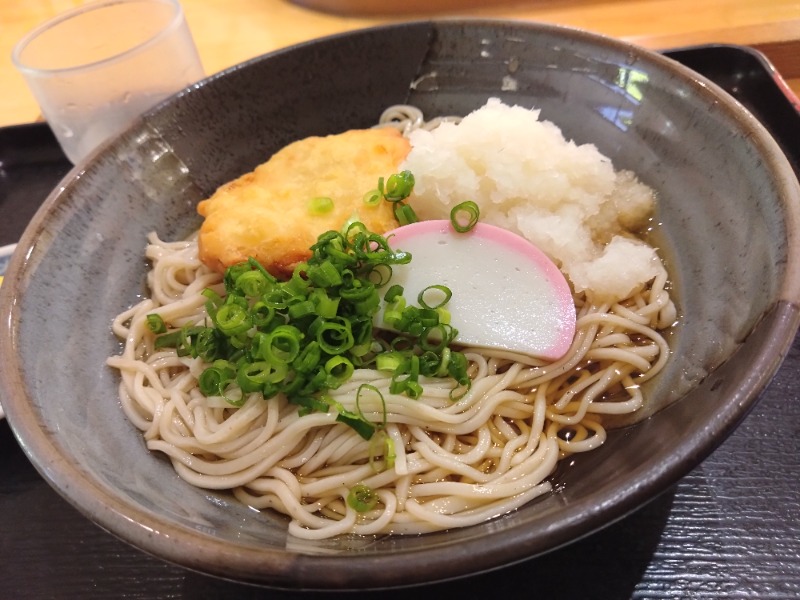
{"x": 293, "y": 570}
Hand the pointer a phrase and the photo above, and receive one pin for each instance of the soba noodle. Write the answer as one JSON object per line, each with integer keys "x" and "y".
{"x": 457, "y": 463}
{"x": 406, "y": 118}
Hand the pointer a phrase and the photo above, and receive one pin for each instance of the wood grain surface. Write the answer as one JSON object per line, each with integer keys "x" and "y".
{"x": 230, "y": 31}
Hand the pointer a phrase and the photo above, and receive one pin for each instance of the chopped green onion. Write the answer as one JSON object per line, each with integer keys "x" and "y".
{"x": 457, "y": 368}
{"x": 362, "y": 498}
{"x": 365, "y": 430}
{"x": 215, "y": 379}
{"x": 379, "y": 275}
{"x": 446, "y": 294}
{"x": 282, "y": 345}
{"x": 325, "y": 305}
{"x": 434, "y": 339}
{"x": 361, "y": 327}
{"x": 399, "y": 186}
{"x": 320, "y": 206}
{"x": 373, "y": 197}
{"x": 213, "y": 296}
{"x": 300, "y": 309}
{"x": 351, "y": 230}
{"x": 394, "y": 292}
{"x": 252, "y": 283}
{"x": 233, "y": 395}
{"x": 298, "y": 285}
{"x": 232, "y": 273}
{"x": 390, "y": 361}
{"x": 307, "y": 335}
{"x": 232, "y": 319}
{"x": 339, "y": 370}
{"x": 155, "y": 323}
{"x": 358, "y": 292}
{"x": 405, "y": 214}
{"x": 252, "y": 377}
{"x": 208, "y": 345}
{"x": 183, "y": 340}
{"x": 335, "y": 336}
{"x": 324, "y": 275}
{"x": 444, "y": 363}
{"x": 257, "y": 266}
{"x": 464, "y": 216}
{"x": 366, "y": 387}
{"x": 430, "y": 363}
{"x": 308, "y": 404}
{"x": 262, "y": 315}
{"x": 355, "y": 421}
{"x": 382, "y": 445}
{"x": 308, "y": 358}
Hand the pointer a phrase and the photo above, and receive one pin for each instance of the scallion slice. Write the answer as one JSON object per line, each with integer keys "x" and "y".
{"x": 429, "y": 292}
{"x": 156, "y": 324}
{"x": 464, "y": 216}
{"x": 362, "y": 498}
{"x": 399, "y": 186}
{"x": 320, "y": 206}
{"x": 373, "y": 197}
{"x": 405, "y": 214}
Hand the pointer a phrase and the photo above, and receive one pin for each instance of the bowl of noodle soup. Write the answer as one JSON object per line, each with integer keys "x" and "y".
{"x": 656, "y": 377}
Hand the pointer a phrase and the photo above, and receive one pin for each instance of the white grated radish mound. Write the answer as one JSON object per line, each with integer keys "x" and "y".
{"x": 565, "y": 198}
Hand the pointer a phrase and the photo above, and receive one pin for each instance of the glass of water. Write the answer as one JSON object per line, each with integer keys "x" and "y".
{"x": 96, "y": 68}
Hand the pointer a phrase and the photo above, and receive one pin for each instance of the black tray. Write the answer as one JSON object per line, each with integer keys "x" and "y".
{"x": 730, "y": 529}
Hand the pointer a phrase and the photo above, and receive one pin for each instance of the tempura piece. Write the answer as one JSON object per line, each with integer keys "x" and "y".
{"x": 268, "y": 213}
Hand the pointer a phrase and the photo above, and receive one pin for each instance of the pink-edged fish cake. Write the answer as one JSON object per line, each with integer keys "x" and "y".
{"x": 507, "y": 294}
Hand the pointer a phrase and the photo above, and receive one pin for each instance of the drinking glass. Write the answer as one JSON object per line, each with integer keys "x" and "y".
{"x": 97, "y": 67}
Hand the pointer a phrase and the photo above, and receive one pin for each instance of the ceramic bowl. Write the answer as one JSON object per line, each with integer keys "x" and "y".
{"x": 728, "y": 214}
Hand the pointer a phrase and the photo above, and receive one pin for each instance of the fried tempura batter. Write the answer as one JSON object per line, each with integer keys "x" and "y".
{"x": 265, "y": 213}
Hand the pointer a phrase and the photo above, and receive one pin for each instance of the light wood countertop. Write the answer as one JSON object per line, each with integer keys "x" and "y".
{"x": 230, "y": 31}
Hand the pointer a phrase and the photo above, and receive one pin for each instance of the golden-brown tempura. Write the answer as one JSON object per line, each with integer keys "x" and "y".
{"x": 265, "y": 213}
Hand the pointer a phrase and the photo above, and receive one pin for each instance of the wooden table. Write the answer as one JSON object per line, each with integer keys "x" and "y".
{"x": 230, "y": 31}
